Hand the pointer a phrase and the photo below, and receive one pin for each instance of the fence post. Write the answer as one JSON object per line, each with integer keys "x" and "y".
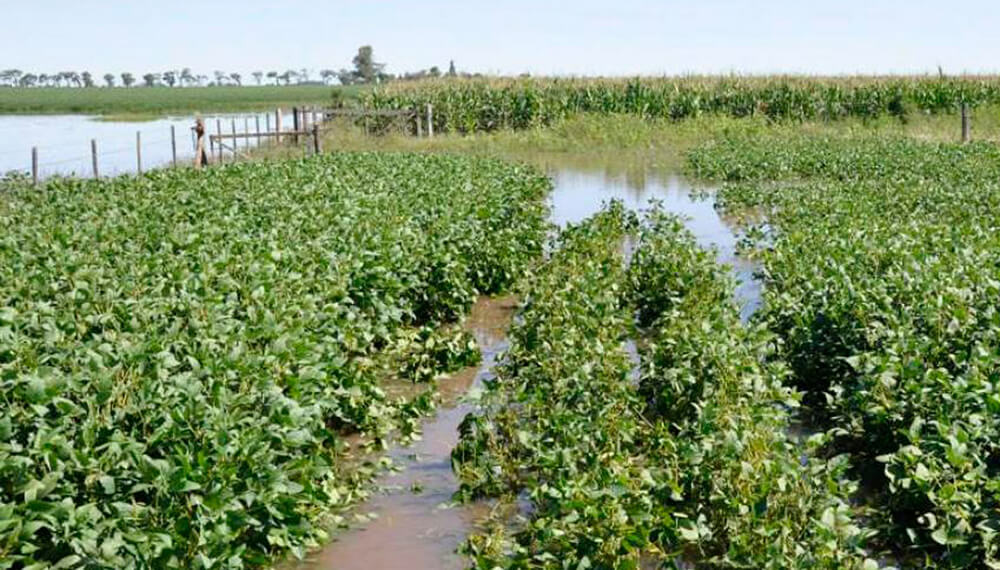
{"x": 173, "y": 144}
{"x": 277, "y": 124}
{"x": 34, "y": 165}
{"x": 93, "y": 157}
{"x": 316, "y": 145}
{"x": 966, "y": 126}
{"x": 218, "y": 130}
{"x": 256, "y": 121}
{"x": 295, "y": 124}
{"x": 200, "y": 158}
{"x": 138, "y": 152}
{"x": 233, "y": 122}
{"x": 430, "y": 121}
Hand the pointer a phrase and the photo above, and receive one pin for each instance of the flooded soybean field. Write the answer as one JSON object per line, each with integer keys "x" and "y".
{"x": 415, "y": 524}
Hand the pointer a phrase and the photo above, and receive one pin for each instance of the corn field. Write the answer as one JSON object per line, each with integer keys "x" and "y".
{"x": 473, "y": 105}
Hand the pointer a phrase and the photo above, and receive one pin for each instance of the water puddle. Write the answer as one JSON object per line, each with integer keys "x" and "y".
{"x": 416, "y": 527}
{"x": 579, "y": 194}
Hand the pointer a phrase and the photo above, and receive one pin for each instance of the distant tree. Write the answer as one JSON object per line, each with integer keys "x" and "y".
{"x": 237, "y": 78}
{"x": 11, "y": 76}
{"x": 451, "y": 69}
{"x": 258, "y": 76}
{"x": 327, "y": 75}
{"x": 88, "y": 79}
{"x": 273, "y": 75}
{"x": 201, "y": 79}
{"x": 187, "y": 78}
{"x": 346, "y": 77}
{"x": 71, "y": 77}
{"x": 288, "y": 76}
{"x": 43, "y": 79}
{"x": 303, "y": 76}
{"x": 170, "y": 78}
{"x": 220, "y": 77}
{"x": 109, "y": 78}
{"x": 28, "y": 80}
{"x": 151, "y": 79}
{"x": 435, "y": 71}
{"x": 365, "y": 68}
{"x": 128, "y": 79}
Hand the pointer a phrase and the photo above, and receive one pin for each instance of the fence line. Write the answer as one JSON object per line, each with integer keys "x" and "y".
{"x": 308, "y": 124}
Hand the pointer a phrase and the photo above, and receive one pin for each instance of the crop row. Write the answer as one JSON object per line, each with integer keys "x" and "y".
{"x": 686, "y": 460}
{"x": 182, "y": 353}
{"x": 486, "y": 105}
{"x": 881, "y": 276}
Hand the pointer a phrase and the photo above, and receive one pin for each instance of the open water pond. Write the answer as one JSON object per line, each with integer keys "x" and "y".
{"x": 63, "y": 141}
{"x": 416, "y": 528}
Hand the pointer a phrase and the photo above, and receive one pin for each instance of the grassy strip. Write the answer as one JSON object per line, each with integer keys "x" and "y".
{"x": 691, "y": 463}
{"x": 165, "y": 100}
{"x": 881, "y": 283}
{"x": 183, "y": 353}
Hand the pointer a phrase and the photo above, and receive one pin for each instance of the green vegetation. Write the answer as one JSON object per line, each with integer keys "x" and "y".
{"x": 487, "y": 105}
{"x": 165, "y": 100}
{"x": 881, "y": 258}
{"x": 181, "y": 364}
{"x": 692, "y": 462}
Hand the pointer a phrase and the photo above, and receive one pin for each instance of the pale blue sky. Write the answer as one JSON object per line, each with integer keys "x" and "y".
{"x": 581, "y": 37}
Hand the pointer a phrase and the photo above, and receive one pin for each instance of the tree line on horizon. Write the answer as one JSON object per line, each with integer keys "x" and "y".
{"x": 365, "y": 71}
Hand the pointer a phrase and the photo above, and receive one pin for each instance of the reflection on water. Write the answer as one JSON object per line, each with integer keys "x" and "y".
{"x": 414, "y": 528}
{"x": 578, "y": 195}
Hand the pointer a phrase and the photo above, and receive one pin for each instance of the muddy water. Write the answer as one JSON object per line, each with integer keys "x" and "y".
{"x": 416, "y": 527}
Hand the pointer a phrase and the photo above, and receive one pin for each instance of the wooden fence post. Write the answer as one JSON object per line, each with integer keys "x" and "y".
{"x": 316, "y": 145}
{"x": 173, "y": 144}
{"x": 295, "y": 124}
{"x": 138, "y": 152}
{"x": 34, "y": 165}
{"x": 93, "y": 157}
{"x": 218, "y": 131}
{"x": 966, "y": 126}
{"x": 200, "y": 158}
{"x": 277, "y": 124}
{"x": 233, "y": 122}
{"x": 430, "y": 121}
{"x": 256, "y": 121}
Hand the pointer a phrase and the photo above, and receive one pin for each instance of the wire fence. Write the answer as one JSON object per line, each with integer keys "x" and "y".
{"x": 121, "y": 148}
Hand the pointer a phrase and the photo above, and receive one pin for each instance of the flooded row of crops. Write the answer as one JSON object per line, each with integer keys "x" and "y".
{"x": 415, "y": 524}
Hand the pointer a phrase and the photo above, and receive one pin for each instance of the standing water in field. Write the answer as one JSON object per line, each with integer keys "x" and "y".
{"x": 416, "y": 527}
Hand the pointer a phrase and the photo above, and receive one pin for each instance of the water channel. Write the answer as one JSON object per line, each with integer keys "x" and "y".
{"x": 416, "y": 527}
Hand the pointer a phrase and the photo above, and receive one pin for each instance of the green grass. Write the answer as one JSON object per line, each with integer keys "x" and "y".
{"x": 630, "y": 143}
{"x": 165, "y": 100}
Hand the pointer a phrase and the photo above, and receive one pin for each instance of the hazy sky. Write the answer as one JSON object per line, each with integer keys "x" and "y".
{"x": 572, "y": 37}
